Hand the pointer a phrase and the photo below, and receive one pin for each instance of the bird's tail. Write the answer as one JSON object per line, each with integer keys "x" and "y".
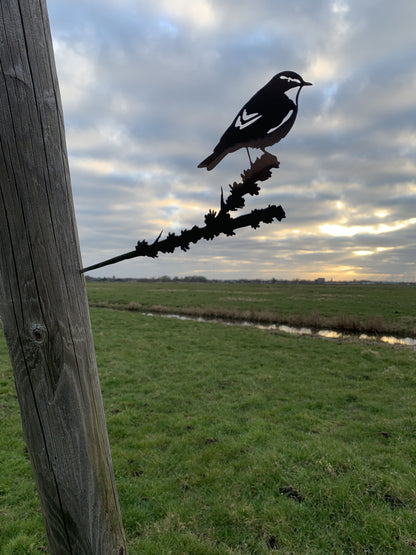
{"x": 212, "y": 160}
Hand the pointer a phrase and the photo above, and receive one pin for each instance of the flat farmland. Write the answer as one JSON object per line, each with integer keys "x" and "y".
{"x": 351, "y": 307}
{"x": 235, "y": 440}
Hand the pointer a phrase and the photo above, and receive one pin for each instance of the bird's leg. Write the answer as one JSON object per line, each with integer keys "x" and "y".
{"x": 248, "y": 154}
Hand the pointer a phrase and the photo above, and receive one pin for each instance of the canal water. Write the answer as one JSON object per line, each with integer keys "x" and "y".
{"x": 327, "y": 334}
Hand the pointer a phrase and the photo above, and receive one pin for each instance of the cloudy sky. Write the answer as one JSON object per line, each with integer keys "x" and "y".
{"x": 149, "y": 87}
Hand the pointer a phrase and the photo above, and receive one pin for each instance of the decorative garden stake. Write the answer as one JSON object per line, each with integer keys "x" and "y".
{"x": 263, "y": 121}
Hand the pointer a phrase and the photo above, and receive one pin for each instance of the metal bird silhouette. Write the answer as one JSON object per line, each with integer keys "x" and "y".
{"x": 263, "y": 121}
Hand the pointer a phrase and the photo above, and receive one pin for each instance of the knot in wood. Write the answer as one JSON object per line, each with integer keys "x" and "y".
{"x": 38, "y": 333}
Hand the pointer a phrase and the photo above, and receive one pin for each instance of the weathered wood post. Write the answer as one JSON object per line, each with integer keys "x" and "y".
{"x": 43, "y": 304}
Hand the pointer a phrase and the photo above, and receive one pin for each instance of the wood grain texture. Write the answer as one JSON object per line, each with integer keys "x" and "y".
{"x": 43, "y": 302}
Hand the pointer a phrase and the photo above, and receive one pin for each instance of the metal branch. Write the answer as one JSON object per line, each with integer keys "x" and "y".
{"x": 226, "y": 225}
{"x": 216, "y": 223}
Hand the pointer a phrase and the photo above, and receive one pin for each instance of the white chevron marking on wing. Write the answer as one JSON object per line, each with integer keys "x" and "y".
{"x": 244, "y": 119}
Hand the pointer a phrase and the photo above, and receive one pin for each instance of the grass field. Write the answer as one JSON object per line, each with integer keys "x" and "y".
{"x": 370, "y": 308}
{"x": 230, "y": 440}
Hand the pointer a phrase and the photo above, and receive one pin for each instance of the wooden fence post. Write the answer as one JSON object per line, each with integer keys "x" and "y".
{"x": 43, "y": 304}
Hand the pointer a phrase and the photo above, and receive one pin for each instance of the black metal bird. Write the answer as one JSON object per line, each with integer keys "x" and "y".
{"x": 263, "y": 121}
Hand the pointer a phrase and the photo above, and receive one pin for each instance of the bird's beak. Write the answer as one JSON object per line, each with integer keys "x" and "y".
{"x": 306, "y": 84}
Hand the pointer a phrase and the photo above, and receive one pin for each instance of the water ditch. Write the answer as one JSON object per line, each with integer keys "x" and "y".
{"x": 326, "y": 334}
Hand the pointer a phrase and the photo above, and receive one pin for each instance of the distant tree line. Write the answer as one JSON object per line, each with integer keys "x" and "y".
{"x": 203, "y": 279}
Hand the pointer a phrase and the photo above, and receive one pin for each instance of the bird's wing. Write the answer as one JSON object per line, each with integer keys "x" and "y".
{"x": 262, "y": 119}
{"x": 258, "y": 123}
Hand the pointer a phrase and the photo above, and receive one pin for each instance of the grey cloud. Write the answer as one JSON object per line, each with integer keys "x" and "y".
{"x": 148, "y": 90}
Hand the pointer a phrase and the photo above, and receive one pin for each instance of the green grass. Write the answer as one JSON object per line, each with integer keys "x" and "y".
{"x": 228, "y": 440}
{"x": 372, "y": 308}
{"x": 21, "y": 525}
